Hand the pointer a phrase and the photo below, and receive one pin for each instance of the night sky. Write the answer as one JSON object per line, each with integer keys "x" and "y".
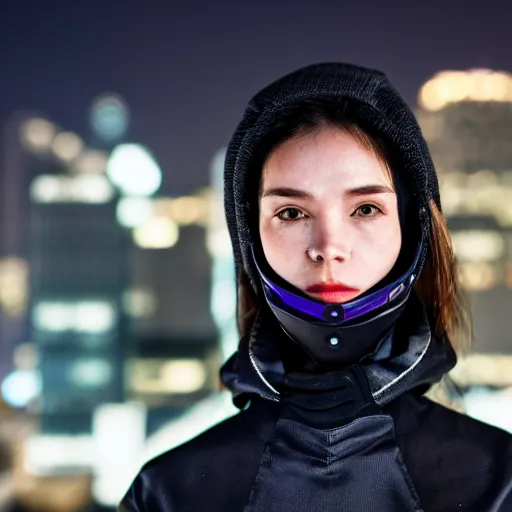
{"x": 188, "y": 68}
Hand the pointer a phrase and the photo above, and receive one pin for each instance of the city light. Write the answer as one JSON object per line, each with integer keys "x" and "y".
{"x": 20, "y": 387}
{"x": 218, "y": 243}
{"x": 490, "y": 406}
{"x": 478, "y": 276}
{"x": 139, "y": 303}
{"x": 91, "y": 161}
{"x": 483, "y": 192}
{"x": 184, "y": 210}
{"x": 49, "y": 188}
{"x": 483, "y": 370}
{"x": 157, "y": 376}
{"x": 183, "y": 376}
{"x": 81, "y": 316}
{"x": 109, "y": 117}
{"x": 449, "y": 87}
{"x": 157, "y": 233}
{"x": 134, "y": 170}
{"x": 478, "y": 245}
{"x": 67, "y": 146}
{"x": 50, "y": 454}
{"x": 90, "y": 373}
{"x": 223, "y": 302}
{"x": 37, "y": 134}
{"x": 119, "y": 434}
{"x": 13, "y": 286}
{"x": 134, "y": 211}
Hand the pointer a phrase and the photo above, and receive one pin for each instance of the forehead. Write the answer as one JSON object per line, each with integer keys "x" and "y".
{"x": 329, "y": 155}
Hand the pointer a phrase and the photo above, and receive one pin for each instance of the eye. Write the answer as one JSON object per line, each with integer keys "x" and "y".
{"x": 289, "y": 214}
{"x": 367, "y": 210}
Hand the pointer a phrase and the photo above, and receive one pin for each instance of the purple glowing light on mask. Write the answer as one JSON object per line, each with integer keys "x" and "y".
{"x": 333, "y": 312}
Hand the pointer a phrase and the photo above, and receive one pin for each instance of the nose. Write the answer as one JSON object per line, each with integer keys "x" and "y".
{"x": 330, "y": 242}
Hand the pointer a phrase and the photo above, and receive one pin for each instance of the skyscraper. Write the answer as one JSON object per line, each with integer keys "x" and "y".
{"x": 466, "y": 118}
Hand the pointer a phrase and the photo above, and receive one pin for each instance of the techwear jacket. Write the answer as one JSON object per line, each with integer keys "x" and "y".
{"x": 351, "y": 440}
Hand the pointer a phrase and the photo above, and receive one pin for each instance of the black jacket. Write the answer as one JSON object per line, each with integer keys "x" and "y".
{"x": 360, "y": 439}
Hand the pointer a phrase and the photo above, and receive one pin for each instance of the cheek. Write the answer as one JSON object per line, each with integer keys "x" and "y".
{"x": 283, "y": 246}
{"x": 381, "y": 250}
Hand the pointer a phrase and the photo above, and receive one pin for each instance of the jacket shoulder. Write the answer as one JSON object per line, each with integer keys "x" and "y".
{"x": 454, "y": 460}
{"x": 197, "y": 474}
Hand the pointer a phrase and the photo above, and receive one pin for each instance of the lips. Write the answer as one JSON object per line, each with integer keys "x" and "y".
{"x": 332, "y": 292}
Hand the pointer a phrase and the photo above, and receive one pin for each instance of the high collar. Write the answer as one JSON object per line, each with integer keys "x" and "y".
{"x": 408, "y": 358}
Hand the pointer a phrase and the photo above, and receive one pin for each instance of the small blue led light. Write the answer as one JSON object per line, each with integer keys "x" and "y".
{"x": 334, "y": 341}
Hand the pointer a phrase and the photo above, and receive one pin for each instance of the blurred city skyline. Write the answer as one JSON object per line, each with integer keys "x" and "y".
{"x": 117, "y": 292}
{"x": 187, "y": 70}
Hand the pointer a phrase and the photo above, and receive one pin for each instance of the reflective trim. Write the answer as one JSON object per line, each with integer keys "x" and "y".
{"x": 402, "y": 375}
{"x": 260, "y": 374}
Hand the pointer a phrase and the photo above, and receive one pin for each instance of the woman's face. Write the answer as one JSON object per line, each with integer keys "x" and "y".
{"x": 329, "y": 221}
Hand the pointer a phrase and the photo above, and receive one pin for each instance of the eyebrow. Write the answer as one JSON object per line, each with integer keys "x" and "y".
{"x": 295, "y": 193}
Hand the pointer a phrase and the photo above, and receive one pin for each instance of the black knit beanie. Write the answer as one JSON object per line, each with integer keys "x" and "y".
{"x": 374, "y": 104}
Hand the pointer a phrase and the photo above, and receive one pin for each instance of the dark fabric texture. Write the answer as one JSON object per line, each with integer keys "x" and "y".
{"x": 455, "y": 463}
{"x": 338, "y": 477}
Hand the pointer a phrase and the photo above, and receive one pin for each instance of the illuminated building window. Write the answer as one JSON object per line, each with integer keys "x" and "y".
{"x": 94, "y": 189}
{"x": 13, "y": 286}
{"x": 90, "y": 161}
{"x": 477, "y": 246}
{"x": 184, "y": 210}
{"x": 90, "y": 373}
{"x": 157, "y": 233}
{"x": 478, "y": 276}
{"x": 157, "y": 376}
{"x": 134, "y": 211}
{"x": 67, "y": 146}
{"x": 83, "y": 316}
{"x": 476, "y": 85}
{"x": 483, "y": 193}
{"x": 139, "y": 303}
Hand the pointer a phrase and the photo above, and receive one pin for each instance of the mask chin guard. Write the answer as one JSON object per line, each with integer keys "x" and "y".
{"x": 339, "y": 333}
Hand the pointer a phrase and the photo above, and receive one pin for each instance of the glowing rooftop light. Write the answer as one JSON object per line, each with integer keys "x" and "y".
{"x": 481, "y": 85}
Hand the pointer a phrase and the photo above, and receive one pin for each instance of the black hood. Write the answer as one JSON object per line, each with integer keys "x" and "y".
{"x": 375, "y": 104}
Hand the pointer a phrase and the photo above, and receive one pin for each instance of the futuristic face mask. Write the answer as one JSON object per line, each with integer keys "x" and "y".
{"x": 339, "y": 333}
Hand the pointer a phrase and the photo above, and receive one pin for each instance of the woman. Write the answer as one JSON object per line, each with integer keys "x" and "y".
{"x": 349, "y": 310}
